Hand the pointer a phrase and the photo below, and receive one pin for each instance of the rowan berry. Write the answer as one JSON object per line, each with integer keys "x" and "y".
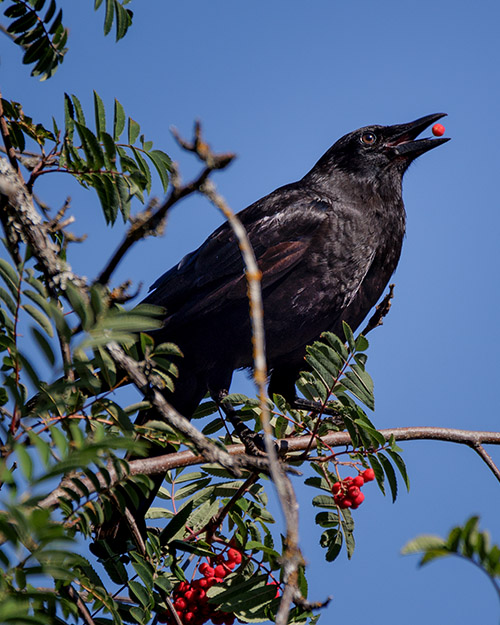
{"x": 359, "y": 499}
{"x": 345, "y": 503}
{"x": 368, "y": 475}
{"x": 438, "y": 130}
{"x": 180, "y": 604}
{"x": 189, "y": 596}
{"x": 353, "y": 492}
{"x": 358, "y": 481}
{"x": 234, "y": 555}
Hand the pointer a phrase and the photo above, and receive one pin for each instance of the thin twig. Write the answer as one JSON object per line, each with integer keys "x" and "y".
{"x": 82, "y": 608}
{"x": 214, "y": 523}
{"x": 477, "y": 447}
{"x": 149, "y": 222}
{"x": 377, "y": 319}
{"x": 286, "y": 495}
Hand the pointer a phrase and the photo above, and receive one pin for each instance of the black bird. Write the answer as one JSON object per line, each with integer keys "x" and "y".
{"x": 327, "y": 246}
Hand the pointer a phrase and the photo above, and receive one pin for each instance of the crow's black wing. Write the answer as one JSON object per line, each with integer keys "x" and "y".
{"x": 281, "y": 228}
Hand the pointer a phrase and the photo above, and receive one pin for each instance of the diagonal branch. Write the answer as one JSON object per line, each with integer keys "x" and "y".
{"x": 203, "y": 444}
{"x": 149, "y": 222}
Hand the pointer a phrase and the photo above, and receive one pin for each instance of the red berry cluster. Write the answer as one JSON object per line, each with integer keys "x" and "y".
{"x": 347, "y": 492}
{"x": 190, "y": 599}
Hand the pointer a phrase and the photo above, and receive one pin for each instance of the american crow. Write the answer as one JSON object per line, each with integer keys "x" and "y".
{"x": 327, "y": 246}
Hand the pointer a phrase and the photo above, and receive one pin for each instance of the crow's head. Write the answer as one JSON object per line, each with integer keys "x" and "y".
{"x": 374, "y": 152}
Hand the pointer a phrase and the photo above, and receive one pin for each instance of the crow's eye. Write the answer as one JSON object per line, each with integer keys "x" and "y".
{"x": 368, "y": 138}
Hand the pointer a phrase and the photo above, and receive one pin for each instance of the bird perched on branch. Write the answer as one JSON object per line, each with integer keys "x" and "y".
{"x": 326, "y": 245}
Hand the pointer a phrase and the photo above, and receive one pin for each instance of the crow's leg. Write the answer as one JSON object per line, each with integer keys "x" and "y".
{"x": 253, "y": 441}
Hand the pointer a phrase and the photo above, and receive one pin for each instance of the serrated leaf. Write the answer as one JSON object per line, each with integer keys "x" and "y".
{"x": 247, "y": 594}
{"x": 143, "y": 166}
{"x": 214, "y": 426}
{"x": 349, "y": 336}
{"x": 323, "y": 501}
{"x": 331, "y": 540}
{"x": 119, "y": 121}
{"x": 327, "y": 519}
{"x": 318, "y": 482}
{"x": 353, "y": 384}
{"x": 399, "y": 462}
{"x": 108, "y": 17}
{"x": 100, "y": 116}
{"x": 50, "y": 12}
{"x": 140, "y": 593}
{"x": 25, "y": 461}
{"x": 162, "y": 164}
{"x": 15, "y": 10}
{"x": 91, "y": 147}
{"x": 145, "y": 573}
{"x": 176, "y": 525}
{"x": 203, "y": 515}
{"x": 379, "y": 472}
{"x": 124, "y": 195}
{"x": 42, "y": 447}
{"x": 123, "y": 20}
{"x": 44, "y": 345}
{"x": 23, "y": 23}
{"x": 320, "y": 370}
{"x": 10, "y": 276}
{"x": 390, "y": 474}
{"x": 334, "y": 341}
{"x": 40, "y": 318}
{"x": 361, "y": 343}
{"x": 80, "y": 116}
{"x": 8, "y": 301}
{"x": 423, "y": 543}
{"x": 134, "y": 130}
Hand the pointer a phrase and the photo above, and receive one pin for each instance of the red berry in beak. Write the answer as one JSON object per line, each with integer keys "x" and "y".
{"x": 438, "y": 130}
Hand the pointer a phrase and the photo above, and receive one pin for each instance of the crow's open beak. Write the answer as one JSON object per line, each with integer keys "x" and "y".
{"x": 401, "y": 139}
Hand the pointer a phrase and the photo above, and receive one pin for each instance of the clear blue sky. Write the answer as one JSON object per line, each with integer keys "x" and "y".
{"x": 278, "y": 82}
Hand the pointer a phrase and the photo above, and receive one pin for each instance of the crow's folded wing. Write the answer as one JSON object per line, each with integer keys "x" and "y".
{"x": 214, "y": 273}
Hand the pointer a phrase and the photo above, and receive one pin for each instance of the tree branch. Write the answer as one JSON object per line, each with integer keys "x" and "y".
{"x": 26, "y": 221}
{"x": 167, "y": 462}
{"x": 149, "y": 222}
{"x": 292, "y": 557}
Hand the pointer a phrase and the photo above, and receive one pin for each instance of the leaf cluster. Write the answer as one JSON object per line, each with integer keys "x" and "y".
{"x": 36, "y": 26}
{"x": 465, "y": 541}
